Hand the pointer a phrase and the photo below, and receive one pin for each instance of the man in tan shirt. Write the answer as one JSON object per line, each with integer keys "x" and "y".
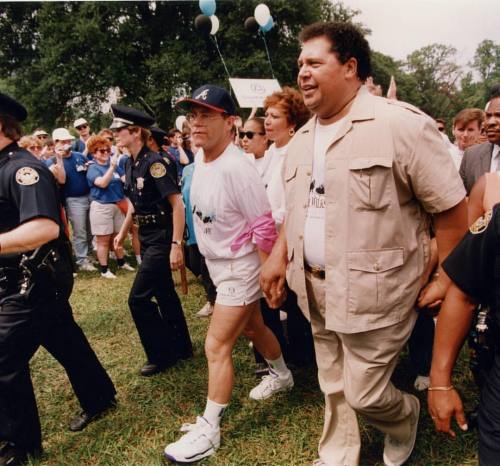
{"x": 362, "y": 179}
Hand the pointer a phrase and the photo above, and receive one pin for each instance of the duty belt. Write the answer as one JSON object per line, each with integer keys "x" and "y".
{"x": 315, "y": 271}
{"x": 149, "y": 219}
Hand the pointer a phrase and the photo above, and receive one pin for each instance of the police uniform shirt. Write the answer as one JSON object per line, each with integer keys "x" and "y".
{"x": 474, "y": 265}
{"x": 148, "y": 183}
{"x": 27, "y": 190}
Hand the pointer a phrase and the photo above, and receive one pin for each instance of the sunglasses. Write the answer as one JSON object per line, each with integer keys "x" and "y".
{"x": 104, "y": 151}
{"x": 35, "y": 148}
{"x": 441, "y": 129}
{"x": 82, "y": 127}
{"x": 248, "y": 134}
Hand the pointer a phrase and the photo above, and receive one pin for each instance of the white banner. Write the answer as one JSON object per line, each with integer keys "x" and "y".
{"x": 252, "y": 92}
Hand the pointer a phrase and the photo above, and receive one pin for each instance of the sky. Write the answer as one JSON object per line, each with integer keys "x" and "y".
{"x": 401, "y": 26}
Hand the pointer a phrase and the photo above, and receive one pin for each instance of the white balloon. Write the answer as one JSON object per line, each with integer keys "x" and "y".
{"x": 215, "y": 24}
{"x": 179, "y": 121}
{"x": 262, "y": 14}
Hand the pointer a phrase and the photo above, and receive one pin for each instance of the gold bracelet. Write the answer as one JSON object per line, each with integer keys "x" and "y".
{"x": 440, "y": 389}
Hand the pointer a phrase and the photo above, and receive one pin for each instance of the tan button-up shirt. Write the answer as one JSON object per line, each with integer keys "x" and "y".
{"x": 387, "y": 169}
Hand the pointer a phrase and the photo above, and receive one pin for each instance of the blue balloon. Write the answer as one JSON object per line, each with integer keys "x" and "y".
{"x": 207, "y": 7}
{"x": 268, "y": 26}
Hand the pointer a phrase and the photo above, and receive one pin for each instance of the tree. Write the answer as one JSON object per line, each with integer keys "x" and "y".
{"x": 62, "y": 58}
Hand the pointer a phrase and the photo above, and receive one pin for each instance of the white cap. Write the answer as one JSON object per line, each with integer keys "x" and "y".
{"x": 79, "y": 122}
{"x": 61, "y": 134}
{"x": 40, "y": 132}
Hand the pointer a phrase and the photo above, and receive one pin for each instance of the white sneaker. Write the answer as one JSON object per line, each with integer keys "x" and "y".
{"x": 422, "y": 383}
{"x": 108, "y": 274}
{"x": 127, "y": 267}
{"x": 86, "y": 266}
{"x": 199, "y": 441}
{"x": 206, "y": 311}
{"x": 271, "y": 384}
{"x": 396, "y": 452}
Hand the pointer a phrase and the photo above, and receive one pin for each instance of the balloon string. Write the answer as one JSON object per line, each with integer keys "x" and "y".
{"x": 214, "y": 38}
{"x": 267, "y": 51}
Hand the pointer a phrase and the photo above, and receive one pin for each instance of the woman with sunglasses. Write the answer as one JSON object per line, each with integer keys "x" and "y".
{"x": 106, "y": 190}
{"x": 255, "y": 143}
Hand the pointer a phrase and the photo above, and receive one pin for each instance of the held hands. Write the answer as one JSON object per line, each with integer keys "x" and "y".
{"x": 176, "y": 257}
{"x": 432, "y": 295}
{"x": 443, "y": 405}
{"x": 272, "y": 282}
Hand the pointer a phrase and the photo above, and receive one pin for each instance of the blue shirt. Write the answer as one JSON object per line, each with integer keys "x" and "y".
{"x": 111, "y": 193}
{"x": 187, "y": 178}
{"x": 75, "y": 167}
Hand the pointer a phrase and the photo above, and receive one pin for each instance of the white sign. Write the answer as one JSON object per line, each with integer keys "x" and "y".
{"x": 252, "y": 92}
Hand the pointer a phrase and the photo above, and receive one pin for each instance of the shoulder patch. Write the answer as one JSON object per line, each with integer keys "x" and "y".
{"x": 481, "y": 223}
{"x": 27, "y": 176}
{"x": 157, "y": 170}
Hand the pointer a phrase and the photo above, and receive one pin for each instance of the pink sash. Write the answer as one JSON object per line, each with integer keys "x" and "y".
{"x": 262, "y": 231}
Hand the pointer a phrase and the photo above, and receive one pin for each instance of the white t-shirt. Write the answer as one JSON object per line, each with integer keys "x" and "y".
{"x": 314, "y": 229}
{"x": 275, "y": 187}
{"x": 262, "y": 164}
{"x": 456, "y": 155}
{"x": 227, "y": 195}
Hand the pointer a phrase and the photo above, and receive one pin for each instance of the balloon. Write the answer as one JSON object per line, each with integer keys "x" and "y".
{"x": 207, "y": 7}
{"x": 203, "y": 24}
{"x": 179, "y": 122}
{"x": 251, "y": 25}
{"x": 268, "y": 26}
{"x": 262, "y": 14}
{"x": 215, "y": 24}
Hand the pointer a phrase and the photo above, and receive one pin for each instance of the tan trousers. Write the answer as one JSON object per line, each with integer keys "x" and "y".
{"x": 354, "y": 372}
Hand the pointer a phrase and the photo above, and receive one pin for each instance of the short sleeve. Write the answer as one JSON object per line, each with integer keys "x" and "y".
{"x": 92, "y": 174}
{"x": 34, "y": 193}
{"x": 434, "y": 178}
{"x": 164, "y": 182}
{"x": 471, "y": 264}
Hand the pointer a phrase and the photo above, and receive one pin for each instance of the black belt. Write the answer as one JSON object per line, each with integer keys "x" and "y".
{"x": 149, "y": 219}
{"x": 315, "y": 271}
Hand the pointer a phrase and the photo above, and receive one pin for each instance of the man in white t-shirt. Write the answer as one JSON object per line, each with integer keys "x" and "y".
{"x": 235, "y": 232}
{"x": 360, "y": 179}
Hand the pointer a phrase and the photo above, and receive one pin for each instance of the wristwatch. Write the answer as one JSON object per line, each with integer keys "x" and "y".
{"x": 178, "y": 242}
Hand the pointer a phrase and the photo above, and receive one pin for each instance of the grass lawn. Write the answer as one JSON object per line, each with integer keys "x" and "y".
{"x": 280, "y": 431}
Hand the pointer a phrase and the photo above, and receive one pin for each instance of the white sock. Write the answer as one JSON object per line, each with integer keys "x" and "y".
{"x": 278, "y": 366}
{"x": 138, "y": 259}
{"x": 213, "y": 412}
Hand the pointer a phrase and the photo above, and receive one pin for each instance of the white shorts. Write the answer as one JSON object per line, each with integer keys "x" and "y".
{"x": 236, "y": 280}
{"x": 105, "y": 219}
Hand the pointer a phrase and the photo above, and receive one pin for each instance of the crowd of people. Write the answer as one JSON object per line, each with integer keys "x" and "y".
{"x": 338, "y": 211}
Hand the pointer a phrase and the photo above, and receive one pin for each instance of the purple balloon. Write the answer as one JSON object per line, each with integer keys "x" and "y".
{"x": 251, "y": 24}
{"x": 203, "y": 23}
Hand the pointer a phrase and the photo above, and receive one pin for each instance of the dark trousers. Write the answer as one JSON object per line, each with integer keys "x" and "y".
{"x": 24, "y": 326}
{"x": 196, "y": 263}
{"x": 420, "y": 343}
{"x": 161, "y": 324}
{"x": 489, "y": 418}
{"x": 298, "y": 346}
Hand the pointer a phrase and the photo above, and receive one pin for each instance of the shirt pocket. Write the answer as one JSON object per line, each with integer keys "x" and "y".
{"x": 370, "y": 183}
{"x": 374, "y": 282}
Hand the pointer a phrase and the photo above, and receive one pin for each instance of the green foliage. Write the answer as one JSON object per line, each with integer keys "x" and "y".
{"x": 64, "y": 57}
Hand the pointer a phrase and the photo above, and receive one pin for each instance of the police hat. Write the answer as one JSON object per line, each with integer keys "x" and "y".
{"x": 158, "y": 135}
{"x": 9, "y": 106}
{"x": 128, "y": 116}
{"x": 209, "y": 96}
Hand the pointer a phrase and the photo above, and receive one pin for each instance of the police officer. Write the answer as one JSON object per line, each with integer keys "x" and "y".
{"x": 155, "y": 204}
{"x": 36, "y": 279}
{"x": 474, "y": 268}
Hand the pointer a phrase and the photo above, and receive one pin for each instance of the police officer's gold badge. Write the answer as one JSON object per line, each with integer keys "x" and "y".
{"x": 481, "y": 223}
{"x": 157, "y": 170}
{"x": 27, "y": 176}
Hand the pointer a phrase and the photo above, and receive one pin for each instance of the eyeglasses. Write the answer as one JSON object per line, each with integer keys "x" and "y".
{"x": 202, "y": 117}
{"x": 35, "y": 148}
{"x": 248, "y": 134}
{"x": 82, "y": 127}
{"x": 104, "y": 151}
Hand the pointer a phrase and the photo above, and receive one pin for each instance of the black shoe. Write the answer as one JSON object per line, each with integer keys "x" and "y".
{"x": 81, "y": 421}
{"x": 10, "y": 455}
{"x": 150, "y": 369}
